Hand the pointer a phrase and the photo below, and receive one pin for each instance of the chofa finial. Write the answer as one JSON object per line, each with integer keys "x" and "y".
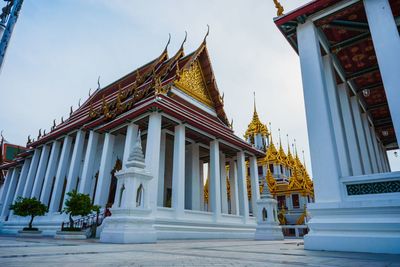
{"x": 169, "y": 41}
{"x": 208, "y": 32}
{"x": 279, "y": 8}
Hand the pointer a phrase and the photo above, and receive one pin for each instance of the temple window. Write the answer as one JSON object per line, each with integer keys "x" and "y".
{"x": 260, "y": 170}
{"x": 121, "y": 193}
{"x": 264, "y": 214}
{"x": 295, "y": 201}
{"x": 281, "y": 201}
{"x": 140, "y": 196}
{"x": 271, "y": 167}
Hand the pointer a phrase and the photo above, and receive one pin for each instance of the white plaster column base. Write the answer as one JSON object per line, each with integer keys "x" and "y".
{"x": 356, "y": 226}
{"x": 268, "y": 231}
{"x": 129, "y": 226}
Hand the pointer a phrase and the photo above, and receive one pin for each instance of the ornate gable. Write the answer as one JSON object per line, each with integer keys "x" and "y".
{"x": 191, "y": 82}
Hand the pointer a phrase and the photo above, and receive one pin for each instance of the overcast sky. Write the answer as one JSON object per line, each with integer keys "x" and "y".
{"x": 60, "y": 47}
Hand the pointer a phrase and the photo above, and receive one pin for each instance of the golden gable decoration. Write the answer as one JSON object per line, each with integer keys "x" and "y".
{"x": 191, "y": 82}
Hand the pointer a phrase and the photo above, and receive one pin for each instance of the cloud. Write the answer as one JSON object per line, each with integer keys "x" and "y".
{"x": 59, "y": 48}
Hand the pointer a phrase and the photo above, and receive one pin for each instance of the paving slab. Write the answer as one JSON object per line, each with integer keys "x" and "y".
{"x": 45, "y": 251}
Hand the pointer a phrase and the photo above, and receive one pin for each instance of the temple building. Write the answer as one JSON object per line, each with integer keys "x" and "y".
{"x": 287, "y": 177}
{"x": 175, "y": 104}
{"x": 349, "y": 55}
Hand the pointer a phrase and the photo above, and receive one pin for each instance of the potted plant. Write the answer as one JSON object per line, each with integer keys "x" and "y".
{"x": 29, "y": 207}
{"x": 77, "y": 204}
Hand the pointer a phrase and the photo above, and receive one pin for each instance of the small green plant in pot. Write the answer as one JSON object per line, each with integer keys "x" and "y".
{"x": 78, "y": 204}
{"x": 29, "y": 207}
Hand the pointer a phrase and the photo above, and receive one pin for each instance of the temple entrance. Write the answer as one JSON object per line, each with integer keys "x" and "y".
{"x": 113, "y": 183}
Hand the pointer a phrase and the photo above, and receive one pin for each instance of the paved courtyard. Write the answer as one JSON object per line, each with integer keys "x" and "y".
{"x": 49, "y": 252}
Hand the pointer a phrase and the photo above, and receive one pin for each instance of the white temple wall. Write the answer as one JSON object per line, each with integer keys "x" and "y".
{"x": 96, "y": 167}
{"x": 188, "y": 176}
{"x": 169, "y": 150}
{"x": 81, "y": 164}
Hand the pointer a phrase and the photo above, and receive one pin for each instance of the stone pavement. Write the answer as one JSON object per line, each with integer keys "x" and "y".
{"x": 50, "y": 252}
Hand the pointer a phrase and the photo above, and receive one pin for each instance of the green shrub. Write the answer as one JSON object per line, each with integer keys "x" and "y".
{"x": 78, "y": 204}
{"x": 29, "y": 207}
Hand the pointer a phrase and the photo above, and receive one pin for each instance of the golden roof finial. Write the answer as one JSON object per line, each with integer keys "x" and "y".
{"x": 255, "y": 126}
{"x": 254, "y": 98}
{"x": 279, "y": 8}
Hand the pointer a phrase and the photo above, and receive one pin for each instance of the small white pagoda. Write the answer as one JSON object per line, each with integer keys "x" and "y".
{"x": 132, "y": 219}
{"x": 267, "y": 219}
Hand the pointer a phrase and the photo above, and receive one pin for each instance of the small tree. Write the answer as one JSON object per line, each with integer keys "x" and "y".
{"x": 78, "y": 204}
{"x": 29, "y": 207}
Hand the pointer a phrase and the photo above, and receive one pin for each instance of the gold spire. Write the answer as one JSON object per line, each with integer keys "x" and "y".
{"x": 255, "y": 126}
{"x": 282, "y": 155}
{"x": 272, "y": 154}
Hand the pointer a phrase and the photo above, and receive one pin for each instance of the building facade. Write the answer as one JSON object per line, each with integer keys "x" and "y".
{"x": 350, "y": 56}
{"x": 287, "y": 177}
{"x": 186, "y": 137}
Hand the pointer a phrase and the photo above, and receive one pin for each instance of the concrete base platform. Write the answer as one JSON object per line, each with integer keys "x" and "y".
{"x": 27, "y": 233}
{"x": 268, "y": 232}
{"x": 70, "y": 235}
{"x": 357, "y": 226}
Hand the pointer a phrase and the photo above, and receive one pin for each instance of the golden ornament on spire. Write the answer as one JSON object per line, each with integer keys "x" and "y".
{"x": 279, "y": 8}
{"x": 255, "y": 126}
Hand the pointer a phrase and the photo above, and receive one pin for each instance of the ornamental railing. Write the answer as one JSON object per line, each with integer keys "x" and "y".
{"x": 91, "y": 222}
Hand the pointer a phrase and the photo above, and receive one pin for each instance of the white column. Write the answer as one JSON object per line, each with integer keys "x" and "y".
{"x": 161, "y": 176}
{"x": 88, "y": 163}
{"x": 376, "y": 149}
{"x": 152, "y": 158}
{"x": 31, "y": 173}
{"x": 233, "y": 187}
{"x": 385, "y": 37}
{"x": 10, "y": 192}
{"x": 214, "y": 183}
{"x": 50, "y": 173}
{"x": 201, "y": 187}
{"x": 386, "y": 160}
{"x": 382, "y": 156}
{"x": 371, "y": 149}
{"x": 255, "y": 189}
{"x": 41, "y": 171}
{"x": 336, "y": 115}
{"x": 178, "y": 171}
{"x": 361, "y": 136}
{"x": 242, "y": 187}
{"x": 22, "y": 179}
{"x": 57, "y": 195}
{"x": 131, "y": 134}
{"x": 352, "y": 142}
{"x": 5, "y": 188}
{"x": 196, "y": 180}
{"x": 103, "y": 183}
{"x": 324, "y": 157}
{"x": 224, "y": 195}
{"x": 76, "y": 161}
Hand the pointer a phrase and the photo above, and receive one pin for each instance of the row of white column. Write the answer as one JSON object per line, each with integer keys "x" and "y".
{"x": 342, "y": 141}
{"x": 187, "y": 177}
{"x": 54, "y": 168}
